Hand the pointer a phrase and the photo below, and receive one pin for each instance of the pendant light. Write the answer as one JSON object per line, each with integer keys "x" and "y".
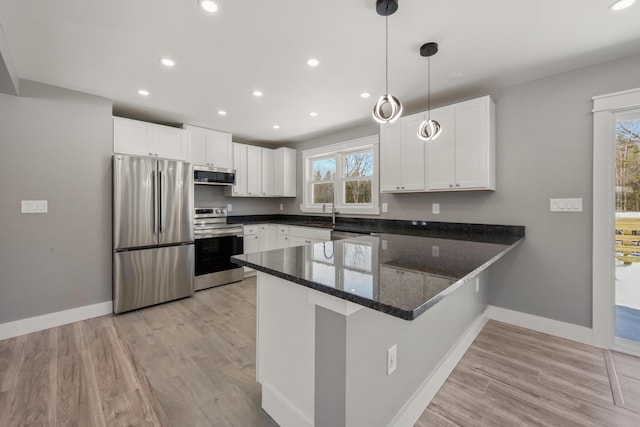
{"x": 387, "y": 101}
{"x": 429, "y": 129}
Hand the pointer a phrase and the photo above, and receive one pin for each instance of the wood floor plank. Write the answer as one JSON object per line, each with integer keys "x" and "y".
{"x": 34, "y": 400}
{"x": 626, "y": 365}
{"x": 77, "y": 399}
{"x": 129, "y": 409}
{"x": 70, "y": 339}
{"x": 10, "y": 358}
{"x": 238, "y": 409}
{"x": 631, "y": 392}
{"x": 5, "y": 404}
{"x": 112, "y": 368}
{"x": 432, "y": 419}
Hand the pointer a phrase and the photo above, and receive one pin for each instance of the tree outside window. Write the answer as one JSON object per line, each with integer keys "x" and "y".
{"x": 628, "y": 166}
{"x": 358, "y": 173}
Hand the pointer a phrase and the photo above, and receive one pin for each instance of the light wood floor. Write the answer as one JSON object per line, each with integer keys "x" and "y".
{"x": 192, "y": 363}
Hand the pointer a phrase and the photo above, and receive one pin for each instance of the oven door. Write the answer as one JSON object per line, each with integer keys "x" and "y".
{"x": 214, "y": 254}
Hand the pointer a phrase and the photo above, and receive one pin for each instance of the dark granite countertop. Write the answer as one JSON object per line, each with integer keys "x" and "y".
{"x": 489, "y": 233}
{"x": 398, "y": 274}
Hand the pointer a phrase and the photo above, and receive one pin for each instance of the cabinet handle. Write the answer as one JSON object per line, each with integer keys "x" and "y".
{"x": 397, "y": 188}
{"x": 450, "y": 185}
{"x": 151, "y": 154}
{"x": 403, "y": 188}
{"x": 457, "y": 185}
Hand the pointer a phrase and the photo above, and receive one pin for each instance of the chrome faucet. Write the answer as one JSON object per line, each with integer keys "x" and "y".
{"x": 334, "y": 211}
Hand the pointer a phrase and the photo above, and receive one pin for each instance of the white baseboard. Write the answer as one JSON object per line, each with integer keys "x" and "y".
{"x": 51, "y": 320}
{"x": 411, "y": 411}
{"x": 558, "y": 328}
{"x": 281, "y": 410}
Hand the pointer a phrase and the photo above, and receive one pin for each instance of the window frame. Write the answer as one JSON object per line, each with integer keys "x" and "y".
{"x": 340, "y": 150}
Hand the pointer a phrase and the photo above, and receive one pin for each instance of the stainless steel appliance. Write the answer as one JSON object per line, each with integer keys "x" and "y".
{"x": 216, "y": 243}
{"x": 153, "y": 247}
{"x": 208, "y": 175}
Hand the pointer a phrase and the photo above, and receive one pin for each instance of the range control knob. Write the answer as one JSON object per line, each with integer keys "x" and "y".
{"x": 223, "y": 211}
{"x": 217, "y": 211}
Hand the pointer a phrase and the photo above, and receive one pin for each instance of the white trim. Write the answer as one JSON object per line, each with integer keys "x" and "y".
{"x": 281, "y": 409}
{"x": 415, "y": 406}
{"x": 51, "y": 320}
{"x": 545, "y": 325}
{"x": 605, "y": 108}
{"x": 626, "y": 346}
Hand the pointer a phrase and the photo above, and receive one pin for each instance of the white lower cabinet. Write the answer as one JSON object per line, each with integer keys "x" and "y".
{"x": 299, "y": 236}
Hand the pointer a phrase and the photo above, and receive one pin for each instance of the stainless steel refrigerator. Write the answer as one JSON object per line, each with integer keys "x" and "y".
{"x": 153, "y": 252}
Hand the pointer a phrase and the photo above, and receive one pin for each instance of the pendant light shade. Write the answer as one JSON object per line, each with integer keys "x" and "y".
{"x": 388, "y": 108}
{"x": 429, "y": 129}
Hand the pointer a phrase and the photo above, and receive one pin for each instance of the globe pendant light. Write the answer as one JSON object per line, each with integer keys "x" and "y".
{"x": 388, "y": 108}
{"x": 429, "y": 129}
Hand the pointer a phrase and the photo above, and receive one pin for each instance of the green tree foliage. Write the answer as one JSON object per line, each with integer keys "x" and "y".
{"x": 628, "y": 166}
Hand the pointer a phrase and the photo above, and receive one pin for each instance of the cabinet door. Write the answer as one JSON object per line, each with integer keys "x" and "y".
{"x": 131, "y": 137}
{"x": 220, "y": 150}
{"x": 254, "y": 170}
{"x": 169, "y": 143}
{"x": 283, "y": 241}
{"x": 472, "y": 144}
{"x": 267, "y": 237}
{"x": 390, "y": 157}
{"x": 267, "y": 172}
{"x": 440, "y": 158}
{"x": 251, "y": 244}
{"x": 284, "y": 172}
{"x": 198, "y": 145}
{"x": 240, "y": 165}
{"x": 412, "y": 166}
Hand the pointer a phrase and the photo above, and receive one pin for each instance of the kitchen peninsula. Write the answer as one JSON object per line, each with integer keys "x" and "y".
{"x": 350, "y": 332}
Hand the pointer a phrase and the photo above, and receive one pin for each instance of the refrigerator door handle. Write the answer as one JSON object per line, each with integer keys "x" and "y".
{"x": 155, "y": 198}
{"x": 160, "y": 200}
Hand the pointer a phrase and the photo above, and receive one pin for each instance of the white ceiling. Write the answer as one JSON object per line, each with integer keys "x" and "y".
{"x": 112, "y": 48}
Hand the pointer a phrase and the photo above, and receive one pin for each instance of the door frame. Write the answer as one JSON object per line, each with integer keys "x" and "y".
{"x": 605, "y": 109}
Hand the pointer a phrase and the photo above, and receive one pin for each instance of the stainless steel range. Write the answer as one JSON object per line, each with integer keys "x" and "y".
{"x": 215, "y": 243}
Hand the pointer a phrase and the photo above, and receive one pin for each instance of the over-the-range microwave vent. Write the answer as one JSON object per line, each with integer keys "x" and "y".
{"x": 208, "y": 175}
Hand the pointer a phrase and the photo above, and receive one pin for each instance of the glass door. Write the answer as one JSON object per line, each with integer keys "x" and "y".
{"x": 627, "y": 227}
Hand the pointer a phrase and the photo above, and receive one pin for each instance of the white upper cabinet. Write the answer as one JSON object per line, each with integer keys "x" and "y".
{"x": 240, "y": 165}
{"x": 284, "y": 172}
{"x": 402, "y": 156}
{"x": 463, "y": 156}
{"x": 267, "y": 172}
{"x": 210, "y": 147}
{"x": 254, "y": 171}
{"x": 148, "y": 139}
{"x": 263, "y": 172}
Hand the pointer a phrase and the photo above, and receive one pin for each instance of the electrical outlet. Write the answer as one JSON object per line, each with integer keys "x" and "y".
{"x": 384, "y": 245}
{"x": 435, "y": 208}
{"x": 385, "y": 207}
{"x": 477, "y": 284}
{"x": 435, "y": 251}
{"x": 229, "y": 207}
{"x": 281, "y": 206}
{"x": 392, "y": 359}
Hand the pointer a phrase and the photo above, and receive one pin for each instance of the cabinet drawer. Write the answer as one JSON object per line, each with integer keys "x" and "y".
{"x": 283, "y": 230}
{"x": 318, "y": 234}
{"x": 251, "y": 229}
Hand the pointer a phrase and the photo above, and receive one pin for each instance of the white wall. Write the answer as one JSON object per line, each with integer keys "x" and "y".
{"x": 55, "y": 145}
{"x": 544, "y": 150}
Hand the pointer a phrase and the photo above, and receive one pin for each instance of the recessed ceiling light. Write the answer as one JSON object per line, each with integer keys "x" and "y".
{"x": 313, "y": 114}
{"x": 222, "y": 113}
{"x": 208, "y": 5}
{"x": 257, "y": 93}
{"x": 167, "y": 62}
{"x": 312, "y": 62}
{"x": 621, "y": 4}
{"x": 143, "y": 92}
{"x": 365, "y": 95}
{"x": 276, "y": 126}
{"x": 455, "y": 76}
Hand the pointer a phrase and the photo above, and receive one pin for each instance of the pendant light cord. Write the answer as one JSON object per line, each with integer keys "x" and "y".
{"x": 429, "y": 87}
{"x": 386, "y": 54}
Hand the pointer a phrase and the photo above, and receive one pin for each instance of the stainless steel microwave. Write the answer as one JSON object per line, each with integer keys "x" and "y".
{"x": 207, "y": 175}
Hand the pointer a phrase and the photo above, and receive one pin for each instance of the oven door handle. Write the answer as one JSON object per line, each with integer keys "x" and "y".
{"x": 208, "y": 234}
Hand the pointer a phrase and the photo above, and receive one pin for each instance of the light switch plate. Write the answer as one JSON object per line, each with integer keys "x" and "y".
{"x": 435, "y": 208}
{"x": 34, "y": 206}
{"x": 229, "y": 207}
{"x": 565, "y": 205}
{"x": 392, "y": 359}
{"x": 435, "y": 251}
{"x": 385, "y": 207}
